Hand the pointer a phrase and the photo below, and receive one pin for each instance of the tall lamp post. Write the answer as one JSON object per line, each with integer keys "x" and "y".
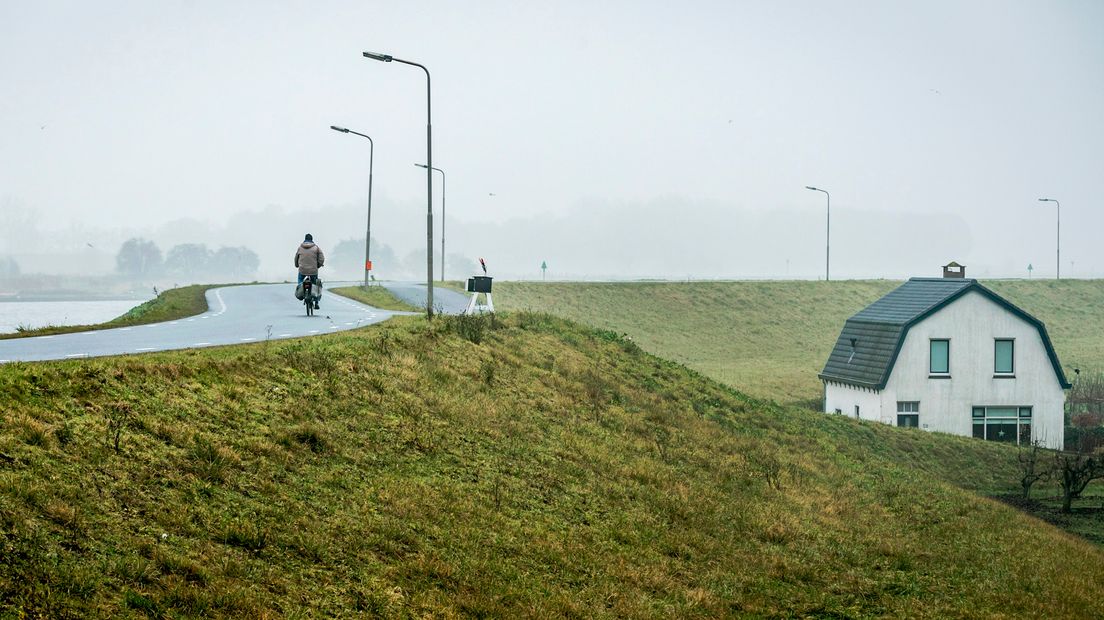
{"x": 442, "y": 218}
{"x": 368, "y": 232}
{"x": 429, "y": 175}
{"x": 1058, "y": 240}
{"x": 827, "y": 228}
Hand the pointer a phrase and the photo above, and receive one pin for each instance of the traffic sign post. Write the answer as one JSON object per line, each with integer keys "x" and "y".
{"x": 544, "y": 269}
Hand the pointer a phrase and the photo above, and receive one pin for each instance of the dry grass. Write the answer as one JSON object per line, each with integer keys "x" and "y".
{"x": 549, "y": 470}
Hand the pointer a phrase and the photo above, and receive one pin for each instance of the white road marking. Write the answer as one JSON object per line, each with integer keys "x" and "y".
{"x": 205, "y": 317}
{"x": 174, "y": 323}
{"x": 283, "y": 335}
{"x": 190, "y": 320}
{"x": 247, "y": 339}
{"x": 146, "y": 349}
{"x": 78, "y": 355}
{"x": 125, "y": 329}
{"x": 201, "y": 344}
{"x": 335, "y": 327}
{"x": 314, "y": 331}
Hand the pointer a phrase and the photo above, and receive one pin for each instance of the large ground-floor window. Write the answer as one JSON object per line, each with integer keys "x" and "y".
{"x": 908, "y": 413}
{"x": 1008, "y": 424}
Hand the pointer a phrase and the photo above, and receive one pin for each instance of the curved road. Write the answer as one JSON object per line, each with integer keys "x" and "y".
{"x": 445, "y": 300}
{"x": 235, "y": 314}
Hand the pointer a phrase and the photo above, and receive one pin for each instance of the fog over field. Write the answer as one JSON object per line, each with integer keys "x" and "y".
{"x": 617, "y": 140}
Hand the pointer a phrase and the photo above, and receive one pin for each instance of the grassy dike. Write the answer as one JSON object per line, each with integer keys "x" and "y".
{"x": 169, "y": 305}
{"x": 771, "y": 339}
{"x": 533, "y": 468}
{"x": 375, "y": 296}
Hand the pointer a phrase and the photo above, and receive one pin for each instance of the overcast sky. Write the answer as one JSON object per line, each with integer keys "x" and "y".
{"x": 960, "y": 113}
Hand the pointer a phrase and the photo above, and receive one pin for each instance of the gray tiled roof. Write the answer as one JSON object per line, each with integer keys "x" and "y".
{"x": 879, "y": 330}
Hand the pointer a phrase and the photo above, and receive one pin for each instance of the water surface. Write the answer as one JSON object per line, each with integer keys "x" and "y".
{"x": 32, "y": 314}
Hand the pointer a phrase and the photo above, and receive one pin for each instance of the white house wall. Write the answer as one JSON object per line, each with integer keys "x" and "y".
{"x": 972, "y": 323}
{"x": 846, "y": 397}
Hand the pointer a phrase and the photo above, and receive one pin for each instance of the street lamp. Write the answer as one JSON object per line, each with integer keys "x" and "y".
{"x": 1058, "y": 244}
{"x": 827, "y": 229}
{"x": 368, "y": 233}
{"x": 429, "y": 175}
{"x": 442, "y": 218}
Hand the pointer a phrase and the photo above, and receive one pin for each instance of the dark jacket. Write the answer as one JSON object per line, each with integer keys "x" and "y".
{"x": 308, "y": 258}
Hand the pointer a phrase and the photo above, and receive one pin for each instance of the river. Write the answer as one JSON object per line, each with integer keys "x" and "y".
{"x": 31, "y": 314}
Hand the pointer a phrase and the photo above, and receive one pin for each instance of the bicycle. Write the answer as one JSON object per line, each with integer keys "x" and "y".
{"x": 310, "y": 298}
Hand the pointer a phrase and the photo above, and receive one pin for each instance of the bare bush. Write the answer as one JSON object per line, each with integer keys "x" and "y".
{"x": 1032, "y": 470}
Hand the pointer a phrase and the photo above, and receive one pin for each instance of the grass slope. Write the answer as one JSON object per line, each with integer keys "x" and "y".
{"x": 551, "y": 470}
{"x": 375, "y": 296}
{"x": 172, "y": 304}
{"x": 771, "y": 339}
{"x": 1071, "y": 310}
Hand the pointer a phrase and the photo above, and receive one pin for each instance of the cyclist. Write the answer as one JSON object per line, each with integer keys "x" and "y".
{"x": 308, "y": 258}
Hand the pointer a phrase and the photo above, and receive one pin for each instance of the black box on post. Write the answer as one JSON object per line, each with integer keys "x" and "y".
{"x": 479, "y": 284}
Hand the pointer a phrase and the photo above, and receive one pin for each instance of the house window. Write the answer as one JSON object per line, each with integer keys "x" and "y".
{"x": 1007, "y": 424}
{"x": 908, "y": 413}
{"x": 856, "y": 411}
{"x": 1004, "y": 358}
{"x": 940, "y": 357}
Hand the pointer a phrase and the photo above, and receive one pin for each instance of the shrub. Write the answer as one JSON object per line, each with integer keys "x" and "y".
{"x": 470, "y": 327}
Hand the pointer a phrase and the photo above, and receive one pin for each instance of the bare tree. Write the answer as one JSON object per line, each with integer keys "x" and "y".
{"x": 1031, "y": 469}
{"x": 1075, "y": 470}
{"x": 138, "y": 258}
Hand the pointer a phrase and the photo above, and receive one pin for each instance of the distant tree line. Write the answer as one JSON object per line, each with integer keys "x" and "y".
{"x": 346, "y": 262}
{"x": 8, "y": 267}
{"x": 141, "y": 259}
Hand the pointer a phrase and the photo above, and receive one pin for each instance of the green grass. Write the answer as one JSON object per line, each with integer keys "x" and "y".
{"x": 1071, "y": 310}
{"x": 771, "y": 339}
{"x": 549, "y": 470}
{"x": 169, "y": 305}
{"x": 375, "y": 296}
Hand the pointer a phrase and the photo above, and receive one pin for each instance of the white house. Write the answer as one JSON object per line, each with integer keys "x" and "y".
{"x": 949, "y": 355}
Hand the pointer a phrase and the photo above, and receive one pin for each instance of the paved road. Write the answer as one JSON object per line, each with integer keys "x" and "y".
{"x": 236, "y": 314}
{"x": 445, "y": 300}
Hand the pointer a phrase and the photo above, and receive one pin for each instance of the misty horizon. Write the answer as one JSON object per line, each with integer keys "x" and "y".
{"x": 623, "y": 141}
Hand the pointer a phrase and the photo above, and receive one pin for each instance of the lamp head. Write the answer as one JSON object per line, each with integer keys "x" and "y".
{"x": 1046, "y": 200}
{"x": 379, "y": 57}
{"x": 341, "y": 129}
{"x": 812, "y": 188}
{"x": 421, "y": 165}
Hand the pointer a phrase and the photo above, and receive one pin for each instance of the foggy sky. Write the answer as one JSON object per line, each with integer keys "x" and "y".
{"x": 640, "y": 139}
